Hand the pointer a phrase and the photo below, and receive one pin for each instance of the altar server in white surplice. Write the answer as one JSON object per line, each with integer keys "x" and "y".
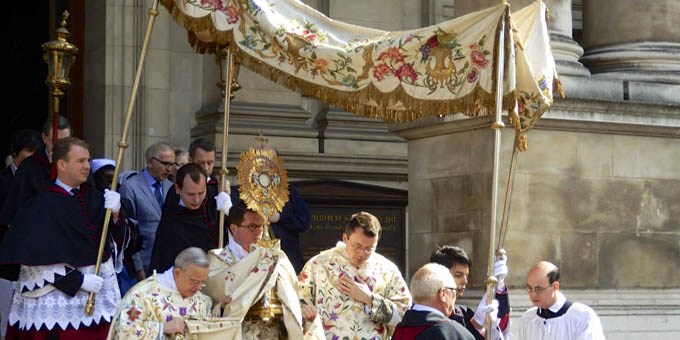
{"x": 554, "y": 317}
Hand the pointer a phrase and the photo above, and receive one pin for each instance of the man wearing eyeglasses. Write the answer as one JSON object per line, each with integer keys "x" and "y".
{"x": 156, "y": 307}
{"x": 243, "y": 268}
{"x": 459, "y": 264}
{"x": 190, "y": 218}
{"x": 146, "y": 191}
{"x": 356, "y": 292}
{"x": 434, "y": 295}
{"x": 554, "y": 317}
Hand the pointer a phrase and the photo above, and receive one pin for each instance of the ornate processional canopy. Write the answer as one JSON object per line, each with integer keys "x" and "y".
{"x": 395, "y": 76}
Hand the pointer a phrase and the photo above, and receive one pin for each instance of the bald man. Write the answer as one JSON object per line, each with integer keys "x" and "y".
{"x": 554, "y": 317}
{"x": 434, "y": 295}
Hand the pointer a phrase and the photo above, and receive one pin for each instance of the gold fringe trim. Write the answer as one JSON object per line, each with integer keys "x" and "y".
{"x": 369, "y": 102}
{"x": 557, "y": 86}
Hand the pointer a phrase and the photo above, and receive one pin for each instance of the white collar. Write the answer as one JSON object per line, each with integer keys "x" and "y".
{"x": 63, "y": 186}
{"x": 236, "y": 248}
{"x": 13, "y": 167}
{"x": 344, "y": 247}
{"x": 167, "y": 279}
{"x": 425, "y": 308}
{"x": 561, "y": 299}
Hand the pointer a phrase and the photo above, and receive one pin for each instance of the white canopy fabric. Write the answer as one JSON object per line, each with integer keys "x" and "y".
{"x": 395, "y": 76}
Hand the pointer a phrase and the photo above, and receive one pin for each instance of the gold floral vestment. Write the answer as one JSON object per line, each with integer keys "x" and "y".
{"x": 341, "y": 316}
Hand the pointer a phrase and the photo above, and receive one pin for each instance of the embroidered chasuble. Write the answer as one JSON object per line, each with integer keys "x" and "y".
{"x": 151, "y": 303}
{"x": 341, "y": 316}
{"x": 246, "y": 277}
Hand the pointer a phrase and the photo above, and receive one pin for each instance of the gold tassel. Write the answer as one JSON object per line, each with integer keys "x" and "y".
{"x": 557, "y": 85}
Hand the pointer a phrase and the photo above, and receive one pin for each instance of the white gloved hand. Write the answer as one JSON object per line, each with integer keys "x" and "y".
{"x": 91, "y": 283}
{"x": 500, "y": 271}
{"x": 223, "y": 202}
{"x": 483, "y": 309}
{"x": 112, "y": 200}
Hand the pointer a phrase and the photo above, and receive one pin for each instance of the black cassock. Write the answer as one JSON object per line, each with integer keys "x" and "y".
{"x": 181, "y": 227}
{"x": 32, "y": 176}
{"x": 56, "y": 228}
{"x": 6, "y": 177}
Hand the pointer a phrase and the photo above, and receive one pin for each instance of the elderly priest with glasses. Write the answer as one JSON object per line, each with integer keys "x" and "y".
{"x": 158, "y": 307}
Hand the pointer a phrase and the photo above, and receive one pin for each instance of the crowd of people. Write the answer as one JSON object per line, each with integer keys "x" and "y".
{"x": 161, "y": 267}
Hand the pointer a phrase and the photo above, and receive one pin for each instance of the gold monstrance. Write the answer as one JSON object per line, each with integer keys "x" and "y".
{"x": 263, "y": 187}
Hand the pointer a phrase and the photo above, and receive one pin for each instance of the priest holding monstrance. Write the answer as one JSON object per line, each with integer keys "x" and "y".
{"x": 252, "y": 269}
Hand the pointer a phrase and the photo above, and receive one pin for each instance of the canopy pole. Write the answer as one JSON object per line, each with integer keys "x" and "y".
{"x": 497, "y": 125}
{"x": 225, "y": 135}
{"x": 122, "y": 145}
{"x": 506, "y": 206}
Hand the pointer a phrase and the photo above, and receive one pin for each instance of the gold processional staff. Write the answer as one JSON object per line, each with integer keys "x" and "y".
{"x": 122, "y": 145}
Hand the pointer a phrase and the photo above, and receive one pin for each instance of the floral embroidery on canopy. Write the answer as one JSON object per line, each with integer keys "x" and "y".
{"x": 395, "y": 76}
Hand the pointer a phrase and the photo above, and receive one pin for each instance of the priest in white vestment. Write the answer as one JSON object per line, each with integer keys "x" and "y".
{"x": 554, "y": 317}
{"x": 158, "y": 307}
{"x": 245, "y": 270}
{"x": 358, "y": 293}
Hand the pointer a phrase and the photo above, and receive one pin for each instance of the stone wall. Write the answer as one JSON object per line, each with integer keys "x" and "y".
{"x": 173, "y": 85}
{"x": 597, "y": 197}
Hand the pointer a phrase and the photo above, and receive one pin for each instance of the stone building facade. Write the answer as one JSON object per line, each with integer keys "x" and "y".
{"x": 596, "y": 192}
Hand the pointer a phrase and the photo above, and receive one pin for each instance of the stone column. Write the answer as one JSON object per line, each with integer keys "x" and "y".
{"x": 565, "y": 50}
{"x": 169, "y": 91}
{"x": 633, "y": 40}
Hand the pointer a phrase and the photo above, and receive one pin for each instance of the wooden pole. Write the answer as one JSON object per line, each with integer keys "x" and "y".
{"x": 497, "y": 125}
{"x": 506, "y": 206}
{"x": 122, "y": 145}
{"x": 225, "y": 136}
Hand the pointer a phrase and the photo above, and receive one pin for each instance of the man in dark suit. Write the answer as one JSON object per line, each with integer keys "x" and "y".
{"x": 146, "y": 191}
{"x": 434, "y": 294}
{"x": 34, "y": 174}
{"x": 22, "y": 145}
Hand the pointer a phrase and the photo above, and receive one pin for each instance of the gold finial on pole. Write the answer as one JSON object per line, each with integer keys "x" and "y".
{"x": 122, "y": 145}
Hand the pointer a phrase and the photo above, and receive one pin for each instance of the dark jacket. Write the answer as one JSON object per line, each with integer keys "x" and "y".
{"x": 422, "y": 325}
{"x": 463, "y": 314}
{"x": 32, "y": 176}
